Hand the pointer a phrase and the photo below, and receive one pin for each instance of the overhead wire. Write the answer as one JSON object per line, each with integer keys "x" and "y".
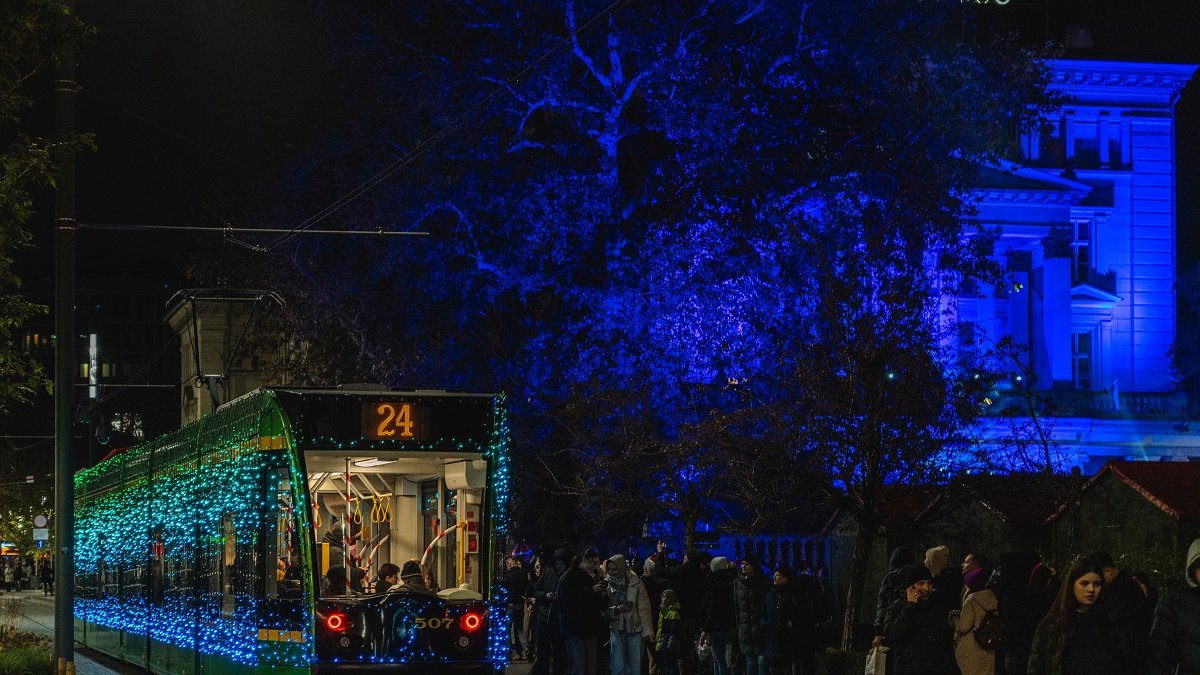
{"x": 445, "y": 132}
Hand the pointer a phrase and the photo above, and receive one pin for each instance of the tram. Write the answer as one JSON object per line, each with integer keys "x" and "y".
{"x": 247, "y": 540}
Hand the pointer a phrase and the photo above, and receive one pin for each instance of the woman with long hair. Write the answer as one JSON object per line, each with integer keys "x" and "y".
{"x": 1080, "y": 634}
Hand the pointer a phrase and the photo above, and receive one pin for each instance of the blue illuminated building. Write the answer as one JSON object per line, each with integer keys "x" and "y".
{"x": 1088, "y": 232}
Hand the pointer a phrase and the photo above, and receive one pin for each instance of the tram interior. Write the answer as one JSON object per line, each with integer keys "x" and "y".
{"x": 384, "y": 507}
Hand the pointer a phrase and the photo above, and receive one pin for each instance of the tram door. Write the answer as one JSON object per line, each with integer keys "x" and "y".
{"x": 438, "y": 515}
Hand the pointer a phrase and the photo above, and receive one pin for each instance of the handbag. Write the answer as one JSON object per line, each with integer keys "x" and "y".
{"x": 876, "y": 661}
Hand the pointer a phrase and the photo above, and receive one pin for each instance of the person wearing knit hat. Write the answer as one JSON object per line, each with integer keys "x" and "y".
{"x": 913, "y": 577}
{"x": 412, "y": 580}
{"x": 890, "y": 588}
{"x": 937, "y": 558}
{"x": 947, "y": 582}
{"x": 917, "y": 630}
{"x": 973, "y": 657}
{"x": 717, "y": 615}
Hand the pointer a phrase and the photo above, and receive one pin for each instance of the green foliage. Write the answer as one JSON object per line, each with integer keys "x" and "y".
{"x": 21, "y": 653}
{"x": 33, "y": 34}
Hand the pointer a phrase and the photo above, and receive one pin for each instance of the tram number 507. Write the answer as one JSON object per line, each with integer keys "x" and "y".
{"x": 434, "y": 622}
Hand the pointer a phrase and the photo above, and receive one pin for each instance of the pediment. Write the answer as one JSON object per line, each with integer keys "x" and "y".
{"x": 1009, "y": 182}
{"x": 1089, "y": 294}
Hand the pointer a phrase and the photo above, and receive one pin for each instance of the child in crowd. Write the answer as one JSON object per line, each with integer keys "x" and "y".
{"x": 667, "y": 639}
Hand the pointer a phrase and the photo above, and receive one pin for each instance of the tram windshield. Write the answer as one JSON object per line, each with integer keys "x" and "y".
{"x": 381, "y": 518}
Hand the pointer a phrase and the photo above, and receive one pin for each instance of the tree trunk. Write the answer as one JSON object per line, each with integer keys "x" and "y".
{"x": 689, "y": 532}
{"x": 859, "y": 559}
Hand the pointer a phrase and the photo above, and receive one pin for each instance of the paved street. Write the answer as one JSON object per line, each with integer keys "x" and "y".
{"x": 37, "y": 616}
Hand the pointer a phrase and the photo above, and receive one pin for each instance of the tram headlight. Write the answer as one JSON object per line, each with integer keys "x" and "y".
{"x": 470, "y": 621}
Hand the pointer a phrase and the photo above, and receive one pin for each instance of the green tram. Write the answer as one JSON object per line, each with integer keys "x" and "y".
{"x": 247, "y": 540}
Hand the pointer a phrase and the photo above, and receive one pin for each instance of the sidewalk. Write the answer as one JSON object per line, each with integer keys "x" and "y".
{"x": 37, "y": 616}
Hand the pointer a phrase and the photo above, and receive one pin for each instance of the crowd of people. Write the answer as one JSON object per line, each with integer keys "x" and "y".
{"x": 584, "y": 615}
{"x": 21, "y": 575}
{"x": 1021, "y": 617}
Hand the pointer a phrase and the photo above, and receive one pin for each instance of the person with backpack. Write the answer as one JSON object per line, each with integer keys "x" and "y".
{"x": 978, "y": 628}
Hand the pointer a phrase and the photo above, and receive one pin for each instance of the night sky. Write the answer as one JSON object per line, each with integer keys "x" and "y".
{"x": 196, "y": 106}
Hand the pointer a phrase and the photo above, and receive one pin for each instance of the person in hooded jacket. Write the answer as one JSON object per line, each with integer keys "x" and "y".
{"x": 630, "y": 623}
{"x": 717, "y": 620}
{"x": 972, "y": 658}
{"x": 749, "y": 595}
{"x": 1080, "y": 635}
{"x": 916, "y": 628}
{"x": 1175, "y": 635}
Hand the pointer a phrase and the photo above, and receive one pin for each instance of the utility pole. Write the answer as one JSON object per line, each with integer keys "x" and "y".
{"x": 65, "y": 226}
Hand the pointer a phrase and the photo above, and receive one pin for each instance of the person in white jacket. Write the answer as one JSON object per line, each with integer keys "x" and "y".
{"x": 629, "y": 620}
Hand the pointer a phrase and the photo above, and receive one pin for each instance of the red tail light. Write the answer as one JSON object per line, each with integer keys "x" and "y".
{"x": 470, "y": 621}
{"x": 337, "y": 622}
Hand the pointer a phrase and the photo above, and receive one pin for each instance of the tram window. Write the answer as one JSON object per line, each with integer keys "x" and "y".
{"x": 227, "y": 562}
{"x": 282, "y": 578}
{"x": 101, "y": 568}
{"x": 157, "y": 558}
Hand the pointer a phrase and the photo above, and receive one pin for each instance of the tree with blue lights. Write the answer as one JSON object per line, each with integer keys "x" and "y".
{"x": 740, "y": 218}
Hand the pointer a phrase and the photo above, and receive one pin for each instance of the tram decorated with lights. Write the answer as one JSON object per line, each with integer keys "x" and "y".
{"x": 247, "y": 541}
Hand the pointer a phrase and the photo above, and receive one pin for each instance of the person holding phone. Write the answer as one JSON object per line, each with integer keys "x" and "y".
{"x": 630, "y": 622}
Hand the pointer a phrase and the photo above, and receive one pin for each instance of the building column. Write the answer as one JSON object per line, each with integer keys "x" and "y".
{"x": 1056, "y": 314}
{"x": 1019, "y": 304}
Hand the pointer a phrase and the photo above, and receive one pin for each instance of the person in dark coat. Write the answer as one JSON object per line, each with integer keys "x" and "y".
{"x": 1135, "y": 614}
{"x": 891, "y": 588}
{"x": 947, "y": 582}
{"x": 515, "y": 581}
{"x": 749, "y": 594}
{"x": 780, "y": 622}
{"x": 548, "y": 644}
{"x": 1175, "y": 635}
{"x": 717, "y": 621}
{"x": 1026, "y": 588}
{"x": 1080, "y": 635}
{"x": 581, "y": 604}
{"x": 46, "y": 576}
{"x": 917, "y": 630}
{"x": 688, "y": 583}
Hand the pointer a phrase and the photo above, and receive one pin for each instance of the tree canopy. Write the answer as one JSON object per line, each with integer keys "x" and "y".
{"x": 715, "y": 231}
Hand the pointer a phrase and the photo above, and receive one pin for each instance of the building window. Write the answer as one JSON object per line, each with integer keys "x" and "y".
{"x": 1081, "y": 252}
{"x": 1081, "y": 360}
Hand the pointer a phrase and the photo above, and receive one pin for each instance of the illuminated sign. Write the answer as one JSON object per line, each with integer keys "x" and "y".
{"x": 394, "y": 421}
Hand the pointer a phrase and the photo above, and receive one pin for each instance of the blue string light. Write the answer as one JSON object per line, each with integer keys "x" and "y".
{"x": 151, "y": 539}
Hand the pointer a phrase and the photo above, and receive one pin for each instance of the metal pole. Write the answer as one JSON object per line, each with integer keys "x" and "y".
{"x": 64, "y": 364}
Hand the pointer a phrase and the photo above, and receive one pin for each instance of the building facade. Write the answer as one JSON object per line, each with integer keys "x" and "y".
{"x": 1087, "y": 231}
